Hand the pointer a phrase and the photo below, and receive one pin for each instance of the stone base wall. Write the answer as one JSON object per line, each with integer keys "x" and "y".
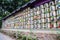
{"x": 39, "y": 36}
{"x": 42, "y": 36}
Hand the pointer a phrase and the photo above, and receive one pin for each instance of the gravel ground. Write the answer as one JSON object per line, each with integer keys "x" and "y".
{"x": 5, "y": 37}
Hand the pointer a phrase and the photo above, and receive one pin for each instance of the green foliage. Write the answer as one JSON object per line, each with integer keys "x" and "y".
{"x": 11, "y": 5}
{"x": 58, "y": 37}
{"x": 25, "y": 37}
{"x": 0, "y": 23}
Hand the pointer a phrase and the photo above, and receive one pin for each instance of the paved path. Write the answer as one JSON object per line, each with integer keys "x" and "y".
{"x": 4, "y": 37}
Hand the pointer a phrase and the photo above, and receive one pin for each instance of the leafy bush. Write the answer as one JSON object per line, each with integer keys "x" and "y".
{"x": 24, "y": 38}
{"x": 58, "y": 37}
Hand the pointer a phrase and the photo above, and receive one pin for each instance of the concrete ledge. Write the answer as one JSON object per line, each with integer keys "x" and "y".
{"x": 50, "y": 31}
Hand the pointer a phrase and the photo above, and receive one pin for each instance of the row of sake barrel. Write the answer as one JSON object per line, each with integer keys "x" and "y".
{"x": 45, "y": 16}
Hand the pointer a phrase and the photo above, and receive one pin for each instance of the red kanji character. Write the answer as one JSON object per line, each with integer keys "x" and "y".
{"x": 51, "y": 26}
{"x": 59, "y": 24}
